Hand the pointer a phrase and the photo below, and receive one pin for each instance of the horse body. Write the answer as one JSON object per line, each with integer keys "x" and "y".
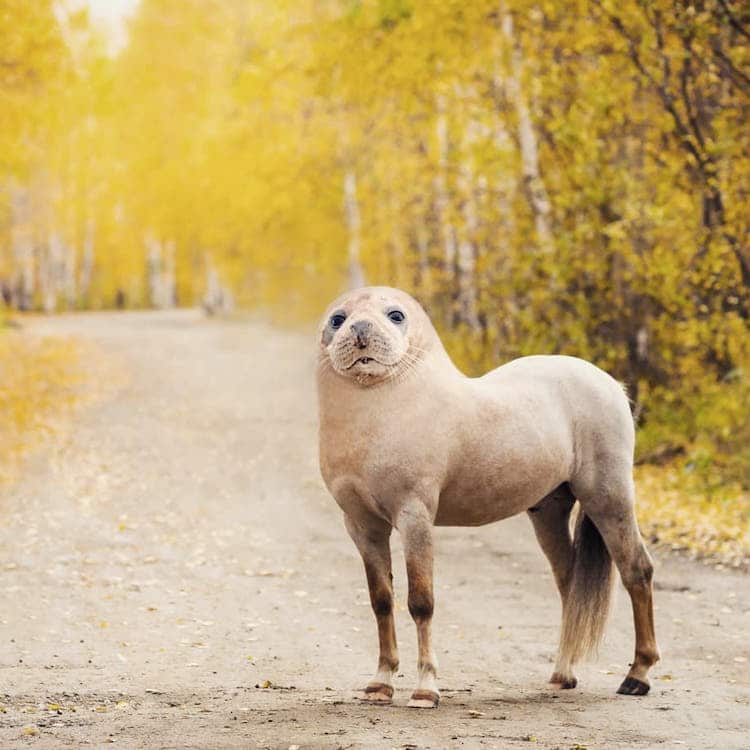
{"x": 514, "y": 435}
{"x": 429, "y": 446}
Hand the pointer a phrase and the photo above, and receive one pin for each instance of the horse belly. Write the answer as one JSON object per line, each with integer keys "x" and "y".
{"x": 484, "y": 494}
{"x": 474, "y": 506}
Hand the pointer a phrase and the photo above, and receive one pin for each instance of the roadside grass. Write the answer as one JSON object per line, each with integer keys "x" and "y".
{"x": 678, "y": 511}
{"x": 41, "y": 381}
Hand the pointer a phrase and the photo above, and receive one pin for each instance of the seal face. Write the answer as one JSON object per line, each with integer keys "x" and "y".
{"x": 366, "y": 337}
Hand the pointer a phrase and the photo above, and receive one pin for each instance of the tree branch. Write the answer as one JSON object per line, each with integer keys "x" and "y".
{"x": 734, "y": 23}
{"x": 665, "y": 96}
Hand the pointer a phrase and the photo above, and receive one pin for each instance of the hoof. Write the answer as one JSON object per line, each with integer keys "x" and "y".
{"x": 424, "y": 699}
{"x": 631, "y": 686}
{"x": 565, "y": 683}
{"x": 377, "y": 692}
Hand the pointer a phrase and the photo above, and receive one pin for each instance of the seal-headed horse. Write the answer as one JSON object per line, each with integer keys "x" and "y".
{"x": 407, "y": 442}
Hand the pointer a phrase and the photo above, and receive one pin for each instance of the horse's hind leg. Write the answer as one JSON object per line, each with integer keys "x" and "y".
{"x": 551, "y": 520}
{"x": 613, "y": 513}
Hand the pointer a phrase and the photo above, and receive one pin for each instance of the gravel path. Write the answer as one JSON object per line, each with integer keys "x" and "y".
{"x": 175, "y": 575}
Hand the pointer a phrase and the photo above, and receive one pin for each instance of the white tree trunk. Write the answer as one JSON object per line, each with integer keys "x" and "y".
{"x": 506, "y": 180}
{"x": 87, "y": 260}
{"x": 537, "y": 192}
{"x": 169, "y": 279}
{"x": 467, "y": 251}
{"x": 424, "y": 281}
{"x": 69, "y": 285}
{"x": 217, "y": 299}
{"x": 52, "y": 272}
{"x": 442, "y": 200}
{"x": 22, "y": 245}
{"x": 153, "y": 270}
{"x": 160, "y": 265}
{"x": 354, "y": 225}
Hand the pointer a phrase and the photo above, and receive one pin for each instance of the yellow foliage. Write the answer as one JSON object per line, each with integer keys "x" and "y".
{"x": 40, "y": 381}
{"x": 546, "y": 177}
{"x": 675, "y": 511}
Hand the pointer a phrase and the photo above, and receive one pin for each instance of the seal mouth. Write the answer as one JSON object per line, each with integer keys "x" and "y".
{"x": 361, "y": 361}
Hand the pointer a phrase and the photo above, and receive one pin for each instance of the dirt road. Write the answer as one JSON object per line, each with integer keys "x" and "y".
{"x": 173, "y": 574}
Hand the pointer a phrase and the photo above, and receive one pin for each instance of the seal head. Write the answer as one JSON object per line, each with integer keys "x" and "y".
{"x": 374, "y": 335}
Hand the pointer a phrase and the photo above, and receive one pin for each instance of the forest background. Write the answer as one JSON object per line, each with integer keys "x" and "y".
{"x": 546, "y": 177}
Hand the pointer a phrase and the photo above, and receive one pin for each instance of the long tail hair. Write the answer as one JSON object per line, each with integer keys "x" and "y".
{"x": 589, "y": 593}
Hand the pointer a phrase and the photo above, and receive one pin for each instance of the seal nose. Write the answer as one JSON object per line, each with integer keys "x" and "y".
{"x": 361, "y": 330}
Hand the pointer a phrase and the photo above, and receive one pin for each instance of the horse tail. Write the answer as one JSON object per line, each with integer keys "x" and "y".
{"x": 587, "y": 601}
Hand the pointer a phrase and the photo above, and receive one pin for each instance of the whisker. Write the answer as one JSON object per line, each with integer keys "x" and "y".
{"x": 409, "y": 366}
{"x": 324, "y": 363}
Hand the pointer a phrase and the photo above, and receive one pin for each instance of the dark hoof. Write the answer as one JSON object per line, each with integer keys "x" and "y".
{"x": 377, "y": 692}
{"x": 564, "y": 683}
{"x": 424, "y": 699}
{"x": 631, "y": 686}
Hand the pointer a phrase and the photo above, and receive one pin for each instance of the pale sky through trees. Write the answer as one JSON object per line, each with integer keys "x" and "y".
{"x": 113, "y": 11}
{"x": 112, "y": 14}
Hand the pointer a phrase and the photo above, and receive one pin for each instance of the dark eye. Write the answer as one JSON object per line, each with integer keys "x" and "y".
{"x": 337, "y": 320}
{"x": 396, "y": 316}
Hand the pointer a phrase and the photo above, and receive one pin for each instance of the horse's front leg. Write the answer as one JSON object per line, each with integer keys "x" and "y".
{"x": 415, "y": 526}
{"x": 373, "y": 542}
